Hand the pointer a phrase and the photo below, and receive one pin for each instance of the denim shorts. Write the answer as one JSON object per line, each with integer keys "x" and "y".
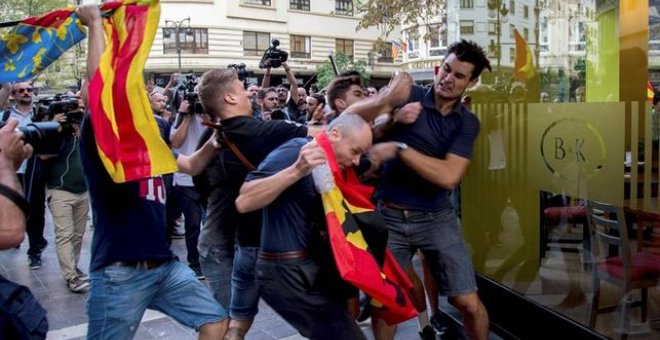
{"x": 438, "y": 235}
{"x": 120, "y": 295}
{"x": 244, "y": 288}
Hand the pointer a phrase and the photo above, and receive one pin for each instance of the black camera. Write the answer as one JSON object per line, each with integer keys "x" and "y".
{"x": 273, "y": 57}
{"x": 45, "y": 137}
{"x": 241, "y": 72}
{"x": 60, "y": 103}
{"x": 190, "y": 94}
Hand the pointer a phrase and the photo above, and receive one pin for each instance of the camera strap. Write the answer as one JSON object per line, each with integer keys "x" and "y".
{"x": 234, "y": 149}
{"x": 15, "y": 197}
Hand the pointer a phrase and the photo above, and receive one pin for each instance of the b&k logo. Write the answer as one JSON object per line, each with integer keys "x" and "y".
{"x": 572, "y": 147}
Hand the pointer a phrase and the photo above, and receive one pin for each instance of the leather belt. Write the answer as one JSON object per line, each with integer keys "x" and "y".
{"x": 144, "y": 264}
{"x": 287, "y": 255}
{"x": 390, "y": 205}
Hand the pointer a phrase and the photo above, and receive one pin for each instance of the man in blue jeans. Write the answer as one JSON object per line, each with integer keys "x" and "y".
{"x": 421, "y": 164}
{"x": 132, "y": 267}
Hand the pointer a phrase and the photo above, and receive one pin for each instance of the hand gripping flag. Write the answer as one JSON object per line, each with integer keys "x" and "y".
{"x": 359, "y": 253}
{"x": 126, "y": 132}
{"x": 36, "y": 42}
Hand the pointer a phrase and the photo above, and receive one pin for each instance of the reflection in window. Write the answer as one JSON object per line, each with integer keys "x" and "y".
{"x": 512, "y": 7}
{"x": 467, "y": 3}
{"x": 344, "y": 46}
{"x": 301, "y": 46}
{"x": 344, "y": 7}
{"x": 412, "y": 39}
{"x": 255, "y": 43}
{"x": 526, "y": 12}
{"x": 437, "y": 42}
{"x": 492, "y": 27}
{"x": 302, "y": 5}
{"x": 191, "y": 41}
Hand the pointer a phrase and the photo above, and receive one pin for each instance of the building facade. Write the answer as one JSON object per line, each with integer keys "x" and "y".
{"x": 220, "y": 33}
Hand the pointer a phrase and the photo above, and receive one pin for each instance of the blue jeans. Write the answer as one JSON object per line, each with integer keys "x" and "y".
{"x": 439, "y": 236}
{"x": 119, "y": 296}
{"x": 217, "y": 262}
{"x": 244, "y": 288}
{"x": 188, "y": 201}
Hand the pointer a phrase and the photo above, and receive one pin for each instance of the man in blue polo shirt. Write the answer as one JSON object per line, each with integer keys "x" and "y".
{"x": 421, "y": 164}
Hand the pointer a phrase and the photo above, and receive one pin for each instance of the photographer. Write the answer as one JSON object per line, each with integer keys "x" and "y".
{"x": 21, "y": 315}
{"x": 68, "y": 201}
{"x": 289, "y": 101}
{"x": 185, "y": 136}
{"x": 30, "y": 175}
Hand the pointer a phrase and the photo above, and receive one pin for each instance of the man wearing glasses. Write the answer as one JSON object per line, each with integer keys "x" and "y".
{"x": 29, "y": 174}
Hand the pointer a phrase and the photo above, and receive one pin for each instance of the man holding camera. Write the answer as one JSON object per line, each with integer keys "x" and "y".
{"x": 68, "y": 202}
{"x": 30, "y": 175}
{"x": 185, "y": 136}
{"x": 288, "y": 100}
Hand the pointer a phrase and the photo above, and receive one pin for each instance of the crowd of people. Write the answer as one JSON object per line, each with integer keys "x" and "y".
{"x": 253, "y": 221}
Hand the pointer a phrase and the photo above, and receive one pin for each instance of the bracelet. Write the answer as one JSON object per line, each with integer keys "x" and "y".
{"x": 15, "y": 197}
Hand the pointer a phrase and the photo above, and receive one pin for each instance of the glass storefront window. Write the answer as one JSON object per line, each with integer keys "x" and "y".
{"x": 567, "y": 118}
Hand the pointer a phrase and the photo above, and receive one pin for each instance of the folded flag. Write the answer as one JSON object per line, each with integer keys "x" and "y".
{"x": 360, "y": 254}
{"x": 36, "y": 42}
{"x": 126, "y": 132}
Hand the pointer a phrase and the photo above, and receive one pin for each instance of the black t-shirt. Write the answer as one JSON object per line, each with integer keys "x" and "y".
{"x": 130, "y": 216}
{"x": 225, "y": 174}
{"x": 434, "y": 135}
{"x": 293, "y": 220}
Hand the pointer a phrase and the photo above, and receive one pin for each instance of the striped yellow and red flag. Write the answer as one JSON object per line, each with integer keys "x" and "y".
{"x": 360, "y": 253}
{"x": 126, "y": 132}
{"x": 650, "y": 91}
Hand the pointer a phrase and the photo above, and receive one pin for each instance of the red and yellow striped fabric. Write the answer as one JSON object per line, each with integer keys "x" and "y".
{"x": 360, "y": 252}
{"x": 126, "y": 132}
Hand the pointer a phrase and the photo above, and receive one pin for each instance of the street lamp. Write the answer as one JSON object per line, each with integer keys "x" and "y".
{"x": 178, "y": 26}
{"x": 497, "y": 9}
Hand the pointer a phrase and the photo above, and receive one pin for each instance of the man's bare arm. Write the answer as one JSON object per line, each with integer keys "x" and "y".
{"x": 196, "y": 162}
{"x": 261, "y": 192}
{"x": 396, "y": 95}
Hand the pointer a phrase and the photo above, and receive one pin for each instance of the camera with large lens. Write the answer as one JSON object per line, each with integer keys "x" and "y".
{"x": 190, "y": 94}
{"x": 273, "y": 56}
{"x": 241, "y": 72}
{"x": 45, "y": 137}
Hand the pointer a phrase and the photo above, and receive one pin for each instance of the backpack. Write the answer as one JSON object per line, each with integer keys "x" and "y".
{"x": 21, "y": 315}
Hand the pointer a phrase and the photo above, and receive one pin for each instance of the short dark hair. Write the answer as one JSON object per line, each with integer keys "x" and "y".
{"x": 319, "y": 98}
{"x": 339, "y": 86}
{"x": 470, "y": 52}
{"x": 264, "y": 91}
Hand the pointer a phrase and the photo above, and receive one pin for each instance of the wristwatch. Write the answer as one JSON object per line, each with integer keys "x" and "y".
{"x": 401, "y": 146}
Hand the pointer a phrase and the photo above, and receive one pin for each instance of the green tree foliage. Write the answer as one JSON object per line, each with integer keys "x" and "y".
{"x": 392, "y": 15}
{"x": 67, "y": 71}
{"x": 325, "y": 73}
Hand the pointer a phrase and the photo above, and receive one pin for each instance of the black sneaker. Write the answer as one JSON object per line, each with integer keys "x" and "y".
{"x": 198, "y": 272}
{"x": 427, "y": 333}
{"x": 82, "y": 275}
{"x": 76, "y": 285}
{"x": 35, "y": 261}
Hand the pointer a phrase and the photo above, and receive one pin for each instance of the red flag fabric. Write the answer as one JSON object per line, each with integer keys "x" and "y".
{"x": 126, "y": 132}
{"x": 349, "y": 215}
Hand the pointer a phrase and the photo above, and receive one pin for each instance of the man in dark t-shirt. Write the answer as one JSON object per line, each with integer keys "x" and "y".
{"x": 291, "y": 279}
{"x": 132, "y": 267}
{"x": 421, "y": 164}
{"x": 231, "y": 276}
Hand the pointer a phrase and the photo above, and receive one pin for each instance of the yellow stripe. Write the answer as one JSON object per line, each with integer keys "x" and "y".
{"x": 160, "y": 156}
{"x": 108, "y": 76}
{"x": 332, "y": 203}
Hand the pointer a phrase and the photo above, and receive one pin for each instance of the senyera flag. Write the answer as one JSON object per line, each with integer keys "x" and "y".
{"x": 126, "y": 132}
{"x": 360, "y": 253}
{"x": 36, "y": 42}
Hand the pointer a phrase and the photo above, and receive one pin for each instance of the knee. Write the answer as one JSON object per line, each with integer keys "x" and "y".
{"x": 469, "y": 305}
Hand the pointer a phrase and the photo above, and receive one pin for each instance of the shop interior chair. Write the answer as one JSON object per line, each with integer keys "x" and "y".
{"x": 560, "y": 210}
{"x": 613, "y": 260}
